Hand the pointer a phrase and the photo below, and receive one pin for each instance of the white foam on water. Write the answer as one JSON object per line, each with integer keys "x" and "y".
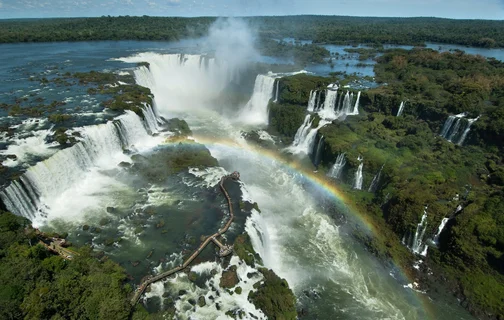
{"x": 25, "y": 148}
{"x": 210, "y": 176}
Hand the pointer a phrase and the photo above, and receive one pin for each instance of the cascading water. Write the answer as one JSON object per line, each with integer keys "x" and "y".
{"x": 255, "y": 111}
{"x": 40, "y": 187}
{"x": 318, "y": 152}
{"x": 455, "y": 130}
{"x": 416, "y": 244}
{"x": 338, "y": 166}
{"x": 466, "y": 130}
{"x": 376, "y": 179}
{"x": 358, "y": 175}
{"x": 450, "y": 130}
{"x": 304, "y": 139}
{"x": 331, "y": 274}
{"x": 182, "y": 75}
{"x": 401, "y": 107}
{"x": 440, "y": 229}
{"x": 312, "y": 101}
{"x": 327, "y": 111}
{"x": 276, "y": 90}
{"x": 356, "y": 106}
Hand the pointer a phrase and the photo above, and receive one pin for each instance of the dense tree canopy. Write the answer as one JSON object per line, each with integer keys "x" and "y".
{"x": 320, "y": 29}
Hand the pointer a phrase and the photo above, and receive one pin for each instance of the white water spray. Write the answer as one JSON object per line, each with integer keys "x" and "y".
{"x": 255, "y": 111}
{"x": 401, "y": 107}
{"x": 338, "y": 166}
{"x": 440, "y": 229}
{"x": 417, "y": 246}
{"x": 358, "y": 175}
{"x": 374, "y": 183}
{"x": 312, "y": 101}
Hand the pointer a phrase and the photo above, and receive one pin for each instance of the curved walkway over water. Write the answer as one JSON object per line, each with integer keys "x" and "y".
{"x": 224, "y": 250}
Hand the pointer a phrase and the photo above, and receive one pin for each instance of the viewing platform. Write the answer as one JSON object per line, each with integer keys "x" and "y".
{"x": 224, "y": 250}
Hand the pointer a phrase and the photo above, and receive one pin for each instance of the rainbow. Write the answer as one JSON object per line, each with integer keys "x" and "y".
{"x": 321, "y": 182}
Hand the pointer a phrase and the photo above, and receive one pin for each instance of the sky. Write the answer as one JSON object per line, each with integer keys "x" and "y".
{"x": 457, "y": 9}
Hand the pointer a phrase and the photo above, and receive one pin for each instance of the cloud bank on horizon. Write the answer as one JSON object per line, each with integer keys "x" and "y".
{"x": 467, "y": 9}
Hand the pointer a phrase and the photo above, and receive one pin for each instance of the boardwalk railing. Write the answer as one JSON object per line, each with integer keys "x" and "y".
{"x": 224, "y": 250}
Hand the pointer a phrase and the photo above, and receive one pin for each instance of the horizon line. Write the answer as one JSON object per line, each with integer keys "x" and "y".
{"x": 253, "y": 16}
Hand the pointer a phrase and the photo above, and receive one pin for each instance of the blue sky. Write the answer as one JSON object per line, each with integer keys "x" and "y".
{"x": 466, "y": 9}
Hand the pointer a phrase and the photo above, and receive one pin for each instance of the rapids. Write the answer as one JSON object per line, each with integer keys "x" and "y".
{"x": 299, "y": 232}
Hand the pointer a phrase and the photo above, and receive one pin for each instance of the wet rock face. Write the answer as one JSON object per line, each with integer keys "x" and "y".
{"x": 229, "y": 278}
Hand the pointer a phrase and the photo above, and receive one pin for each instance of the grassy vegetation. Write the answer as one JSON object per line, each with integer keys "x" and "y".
{"x": 300, "y": 54}
{"x": 166, "y": 160}
{"x": 244, "y": 250}
{"x": 35, "y": 284}
{"x": 420, "y": 168}
{"x": 274, "y": 297}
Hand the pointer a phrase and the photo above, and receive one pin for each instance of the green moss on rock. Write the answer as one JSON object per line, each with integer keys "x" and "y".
{"x": 229, "y": 278}
{"x": 274, "y": 297}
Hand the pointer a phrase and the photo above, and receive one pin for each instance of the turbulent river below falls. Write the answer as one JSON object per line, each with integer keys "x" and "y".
{"x": 297, "y": 233}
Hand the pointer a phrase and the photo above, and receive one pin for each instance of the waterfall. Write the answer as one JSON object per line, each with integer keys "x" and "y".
{"x": 302, "y": 130}
{"x": 337, "y": 168}
{"x": 401, "y": 107}
{"x": 358, "y": 175}
{"x": 466, "y": 130}
{"x": 276, "y": 90}
{"x": 455, "y": 130}
{"x": 440, "y": 229}
{"x": 356, "y": 106}
{"x": 374, "y": 183}
{"x": 255, "y": 111}
{"x": 417, "y": 246}
{"x": 304, "y": 139}
{"x": 449, "y": 130}
{"x": 101, "y": 146}
{"x": 184, "y": 81}
{"x": 346, "y": 106}
{"x": 317, "y": 100}
{"x": 327, "y": 111}
{"x": 312, "y": 101}
{"x": 318, "y": 152}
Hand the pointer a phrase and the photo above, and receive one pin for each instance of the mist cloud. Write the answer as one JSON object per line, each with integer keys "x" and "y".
{"x": 232, "y": 40}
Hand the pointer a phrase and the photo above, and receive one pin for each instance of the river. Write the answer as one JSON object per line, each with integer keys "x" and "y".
{"x": 295, "y": 233}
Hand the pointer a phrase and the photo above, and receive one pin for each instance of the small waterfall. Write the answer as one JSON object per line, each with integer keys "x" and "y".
{"x": 374, "y": 183}
{"x": 304, "y": 139}
{"x": 455, "y": 130}
{"x": 327, "y": 111}
{"x": 417, "y": 246}
{"x": 338, "y": 166}
{"x": 318, "y": 152}
{"x": 303, "y": 130}
{"x": 150, "y": 117}
{"x": 255, "y": 111}
{"x": 401, "y": 107}
{"x": 440, "y": 229}
{"x": 448, "y": 131}
{"x": 276, "y": 91}
{"x": 466, "y": 130}
{"x": 356, "y": 106}
{"x": 312, "y": 101}
{"x": 358, "y": 175}
{"x": 102, "y": 146}
{"x": 317, "y": 100}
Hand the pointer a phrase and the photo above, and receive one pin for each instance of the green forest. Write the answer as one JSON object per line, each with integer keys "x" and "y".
{"x": 320, "y": 29}
{"x": 420, "y": 168}
{"x": 35, "y": 284}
